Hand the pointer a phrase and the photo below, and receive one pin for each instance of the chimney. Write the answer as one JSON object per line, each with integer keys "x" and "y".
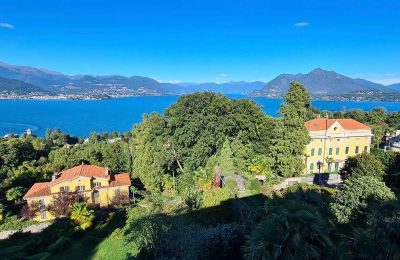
{"x": 55, "y": 176}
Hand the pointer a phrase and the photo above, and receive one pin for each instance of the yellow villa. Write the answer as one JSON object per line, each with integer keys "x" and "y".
{"x": 332, "y": 141}
{"x": 92, "y": 182}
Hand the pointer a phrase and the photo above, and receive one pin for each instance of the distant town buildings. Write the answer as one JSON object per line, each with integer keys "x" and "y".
{"x": 393, "y": 141}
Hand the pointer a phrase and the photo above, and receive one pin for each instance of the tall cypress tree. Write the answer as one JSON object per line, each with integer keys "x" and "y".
{"x": 290, "y": 133}
{"x": 225, "y": 160}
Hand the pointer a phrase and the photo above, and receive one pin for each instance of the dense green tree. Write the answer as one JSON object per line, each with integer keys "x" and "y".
{"x": 15, "y": 193}
{"x": 355, "y": 196}
{"x": 152, "y": 153}
{"x": 199, "y": 124}
{"x": 16, "y": 151}
{"x": 363, "y": 165}
{"x": 289, "y": 133}
{"x": 225, "y": 159}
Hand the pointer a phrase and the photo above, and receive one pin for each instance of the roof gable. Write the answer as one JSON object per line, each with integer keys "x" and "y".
{"x": 321, "y": 124}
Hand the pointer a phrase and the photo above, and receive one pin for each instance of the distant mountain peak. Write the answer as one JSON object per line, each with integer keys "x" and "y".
{"x": 319, "y": 82}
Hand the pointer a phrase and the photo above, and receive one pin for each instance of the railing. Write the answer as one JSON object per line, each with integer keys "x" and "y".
{"x": 324, "y": 179}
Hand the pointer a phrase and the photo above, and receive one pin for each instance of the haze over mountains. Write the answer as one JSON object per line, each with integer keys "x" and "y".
{"x": 24, "y": 80}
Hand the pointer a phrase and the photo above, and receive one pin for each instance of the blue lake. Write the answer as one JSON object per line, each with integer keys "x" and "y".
{"x": 80, "y": 117}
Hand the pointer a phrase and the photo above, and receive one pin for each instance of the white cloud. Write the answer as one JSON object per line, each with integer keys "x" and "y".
{"x": 222, "y": 75}
{"x": 302, "y": 24}
{"x": 7, "y": 25}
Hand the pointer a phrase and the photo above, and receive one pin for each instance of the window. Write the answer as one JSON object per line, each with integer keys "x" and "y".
{"x": 319, "y": 151}
{"x": 312, "y": 151}
{"x": 336, "y": 166}
{"x": 330, "y": 151}
{"x": 96, "y": 194}
{"x": 357, "y": 148}
{"x": 311, "y": 166}
{"x": 42, "y": 205}
{"x": 97, "y": 184}
{"x": 347, "y": 150}
{"x": 64, "y": 189}
{"x": 366, "y": 149}
{"x": 80, "y": 187}
{"x": 337, "y": 150}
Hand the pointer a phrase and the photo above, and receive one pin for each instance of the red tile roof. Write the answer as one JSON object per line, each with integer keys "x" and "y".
{"x": 120, "y": 180}
{"x": 43, "y": 188}
{"x": 320, "y": 124}
{"x": 82, "y": 170}
{"x": 38, "y": 189}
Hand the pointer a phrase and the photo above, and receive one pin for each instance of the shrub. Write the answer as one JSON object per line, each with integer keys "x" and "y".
{"x": 193, "y": 198}
{"x": 355, "y": 195}
{"x": 30, "y": 211}
{"x": 81, "y": 215}
{"x": 120, "y": 199}
{"x": 363, "y": 165}
{"x": 255, "y": 186}
{"x": 214, "y": 197}
{"x": 62, "y": 203}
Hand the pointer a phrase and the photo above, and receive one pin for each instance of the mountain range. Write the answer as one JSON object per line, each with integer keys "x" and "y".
{"x": 24, "y": 80}
{"x": 322, "y": 82}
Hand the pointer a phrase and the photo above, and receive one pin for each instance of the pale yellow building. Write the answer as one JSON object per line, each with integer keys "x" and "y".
{"x": 94, "y": 183}
{"x": 332, "y": 141}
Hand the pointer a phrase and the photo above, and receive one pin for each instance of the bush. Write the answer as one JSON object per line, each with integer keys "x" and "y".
{"x": 255, "y": 186}
{"x": 214, "y": 197}
{"x": 363, "y": 165}
{"x": 356, "y": 195}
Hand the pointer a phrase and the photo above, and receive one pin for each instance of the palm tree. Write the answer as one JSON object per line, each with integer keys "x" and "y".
{"x": 81, "y": 215}
{"x": 296, "y": 231}
{"x": 329, "y": 161}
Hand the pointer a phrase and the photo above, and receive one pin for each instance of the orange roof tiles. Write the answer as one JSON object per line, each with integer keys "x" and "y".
{"x": 43, "y": 188}
{"x": 82, "y": 170}
{"x": 38, "y": 189}
{"x": 320, "y": 124}
{"x": 120, "y": 180}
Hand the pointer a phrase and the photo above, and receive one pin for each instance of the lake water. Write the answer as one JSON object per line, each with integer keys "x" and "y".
{"x": 79, "y": 117}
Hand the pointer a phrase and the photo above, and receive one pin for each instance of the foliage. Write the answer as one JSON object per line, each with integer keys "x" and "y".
{"x": 298, "y": 230}
{"x": 62, "y": 203}
{"x": 356, "y": 194}
{"x": 30, "y": 211}
{"x": 214, "y": 197}
{"x": 225, "y": 160}
{"x": 120, "y": 199}
{"x": 15, "y": 193}
{"x": 193, "y": 198}
{"x": 363, "y": 165}
{"x": 82, "y": 215}
{"x": 294, "y": 220}
{"x": 289, "y": 132}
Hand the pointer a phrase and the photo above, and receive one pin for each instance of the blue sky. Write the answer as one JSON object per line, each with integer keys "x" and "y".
{"x": 204, "y": 40}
